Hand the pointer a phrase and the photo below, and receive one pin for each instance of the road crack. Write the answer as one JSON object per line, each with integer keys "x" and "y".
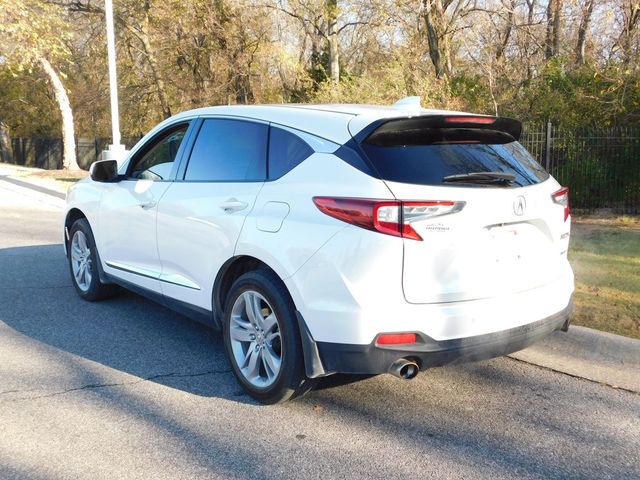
{"x": 93, "y": 386}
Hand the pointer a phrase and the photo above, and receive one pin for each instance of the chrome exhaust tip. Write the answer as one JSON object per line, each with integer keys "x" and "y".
{"x": 404, "y": 369}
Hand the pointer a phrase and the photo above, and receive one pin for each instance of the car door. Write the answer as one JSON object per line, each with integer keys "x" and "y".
{"x": 127, "y": 218}
{"x": 201, "y": 215}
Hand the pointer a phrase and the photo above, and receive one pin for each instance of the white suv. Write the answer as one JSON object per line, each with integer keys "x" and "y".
{"x": 332, "y": 238}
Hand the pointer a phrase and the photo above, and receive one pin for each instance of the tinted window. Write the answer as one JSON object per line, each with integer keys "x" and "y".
{"x": 157, "y": 163}
{"x": 286, "y": 151}
{"x": 429, "y": 164}
{"x": 229, "y": 150}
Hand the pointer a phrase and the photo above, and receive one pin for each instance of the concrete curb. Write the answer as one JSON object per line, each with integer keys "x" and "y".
{"x": 33, "y": 186}
{"x": 590, "y": 354}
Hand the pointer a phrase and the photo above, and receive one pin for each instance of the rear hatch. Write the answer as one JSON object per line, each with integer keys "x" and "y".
{"x": 488, "y": 220}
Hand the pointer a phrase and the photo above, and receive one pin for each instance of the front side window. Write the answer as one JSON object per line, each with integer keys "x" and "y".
{"x": 157, "y": 163}
{"x": 229, "y": 150}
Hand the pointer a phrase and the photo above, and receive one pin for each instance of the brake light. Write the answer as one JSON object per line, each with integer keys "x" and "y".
{"x": 396, "y": 338}
{"x": 561, "y": 197}
{"x": 470, "y": 119}
{"x": 391, "y": 217}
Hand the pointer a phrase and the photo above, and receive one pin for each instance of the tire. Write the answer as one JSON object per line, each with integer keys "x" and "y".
{"x": 83, "y": 263}
{"x": 263, "y": 341}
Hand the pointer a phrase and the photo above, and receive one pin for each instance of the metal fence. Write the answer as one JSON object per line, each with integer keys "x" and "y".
{"x": 47, "y": 152}
{"x": 600, "y": 166}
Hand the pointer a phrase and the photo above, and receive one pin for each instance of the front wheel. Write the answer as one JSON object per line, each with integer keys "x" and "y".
{"x": 83, "y": 263}
{"x": 262, "y": 339}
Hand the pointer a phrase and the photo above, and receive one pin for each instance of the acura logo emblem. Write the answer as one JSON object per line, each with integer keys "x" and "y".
{"x": 519, "y": 206}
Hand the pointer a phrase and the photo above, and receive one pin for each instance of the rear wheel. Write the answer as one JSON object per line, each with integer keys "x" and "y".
{"x": 262, "y": 339}
{"x": 83, "y": 263}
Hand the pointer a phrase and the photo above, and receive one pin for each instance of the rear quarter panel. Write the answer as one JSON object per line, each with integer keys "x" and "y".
{"x": 305, "y": 229}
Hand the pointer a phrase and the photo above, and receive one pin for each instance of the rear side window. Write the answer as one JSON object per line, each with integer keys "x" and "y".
{"x": 286, "y": 151}
{"x": 229, "y": 150}
{"x": 420, "y": 151}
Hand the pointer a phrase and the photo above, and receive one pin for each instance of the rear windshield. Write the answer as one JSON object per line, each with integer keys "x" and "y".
{"x": 426, "y": 156}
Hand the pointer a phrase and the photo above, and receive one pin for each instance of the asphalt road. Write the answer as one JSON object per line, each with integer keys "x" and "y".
{"x": 128, "y": 389}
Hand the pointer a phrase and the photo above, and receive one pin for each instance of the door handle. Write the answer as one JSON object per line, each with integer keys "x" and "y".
{"x": 233, "y": 205}
{"x": 148, "y": 205}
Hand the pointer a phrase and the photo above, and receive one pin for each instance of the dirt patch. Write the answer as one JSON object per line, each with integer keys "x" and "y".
{"x": 60, "y": 175}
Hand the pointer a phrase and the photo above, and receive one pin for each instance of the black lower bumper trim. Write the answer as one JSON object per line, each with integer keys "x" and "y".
{"x": 372, "y": 359}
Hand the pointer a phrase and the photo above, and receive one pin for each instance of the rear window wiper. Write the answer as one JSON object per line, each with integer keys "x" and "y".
{"x": 482, "y": 178}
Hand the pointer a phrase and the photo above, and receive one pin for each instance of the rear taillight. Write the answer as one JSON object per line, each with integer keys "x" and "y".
{"x": 561, "y": 197}
{"x": 392, "y": 217}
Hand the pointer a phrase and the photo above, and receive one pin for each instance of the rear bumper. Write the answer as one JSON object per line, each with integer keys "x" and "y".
{"x": 373, "y": 359}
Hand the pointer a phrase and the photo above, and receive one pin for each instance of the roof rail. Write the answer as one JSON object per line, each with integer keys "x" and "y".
{"x": 407, "y": 103}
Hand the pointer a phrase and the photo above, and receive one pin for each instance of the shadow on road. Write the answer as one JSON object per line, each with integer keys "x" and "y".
{"x": 128, "y": 332}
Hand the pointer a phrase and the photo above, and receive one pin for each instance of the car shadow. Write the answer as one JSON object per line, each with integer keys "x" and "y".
{"x": 128, "y": 332}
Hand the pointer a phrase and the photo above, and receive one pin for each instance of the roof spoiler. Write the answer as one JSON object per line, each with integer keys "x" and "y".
{"x": 417, "y": 130}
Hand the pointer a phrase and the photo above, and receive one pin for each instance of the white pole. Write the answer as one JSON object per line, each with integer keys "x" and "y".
{"x": 116, "y": 147}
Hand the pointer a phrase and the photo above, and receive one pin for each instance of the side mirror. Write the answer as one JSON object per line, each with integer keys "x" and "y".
{"x": 104, "y": 171}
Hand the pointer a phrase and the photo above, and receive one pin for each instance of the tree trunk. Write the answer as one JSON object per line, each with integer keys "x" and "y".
{"x": 6, "y": 150}
{"x": 69, "y": 160}
{"x": 631, "y": 20}
{"x": 332, "y": 39}
{"x": 554, "y": 28}
{"x": 437, "y": 37}
{"x": 587, "y": 11}
{"x": 155, "y": 72}
{"x": 502, "y": 46}
{"x": 531, "y": 9}
{"x": 239, "y": 77}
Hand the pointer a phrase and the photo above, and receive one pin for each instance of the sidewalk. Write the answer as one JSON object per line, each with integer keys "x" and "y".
{"x": 601, "y": 357}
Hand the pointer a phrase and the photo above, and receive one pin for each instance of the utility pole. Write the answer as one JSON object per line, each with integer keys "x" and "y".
{"x": 116, "y": 151}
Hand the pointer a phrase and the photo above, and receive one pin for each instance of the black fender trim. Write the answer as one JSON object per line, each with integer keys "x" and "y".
{"x": 312, "y": 361}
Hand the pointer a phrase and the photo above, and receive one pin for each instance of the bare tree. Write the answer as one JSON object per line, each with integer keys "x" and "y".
{"x": 554, "y": 28}
{"x": 631, "y": 20}
{"x": 503, "y": 39}
{"x": 437, "y": 38}
{"x": 332, "y": 40}
{"x": 30, "y": 35}
{"x": 585, "y": 21}
{"x": 6, "y": 150}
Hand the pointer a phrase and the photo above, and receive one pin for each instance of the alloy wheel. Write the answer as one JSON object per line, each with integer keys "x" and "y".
{"x": 81, "y": 260}
{"x": 255, "y": 339}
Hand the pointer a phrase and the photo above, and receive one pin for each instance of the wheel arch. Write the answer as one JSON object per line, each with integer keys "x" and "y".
{"x": 74, "y": 214}
{"x": 233, "y": 269}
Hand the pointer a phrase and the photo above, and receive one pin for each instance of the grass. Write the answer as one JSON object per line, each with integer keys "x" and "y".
{"x": 605, "y": 255}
